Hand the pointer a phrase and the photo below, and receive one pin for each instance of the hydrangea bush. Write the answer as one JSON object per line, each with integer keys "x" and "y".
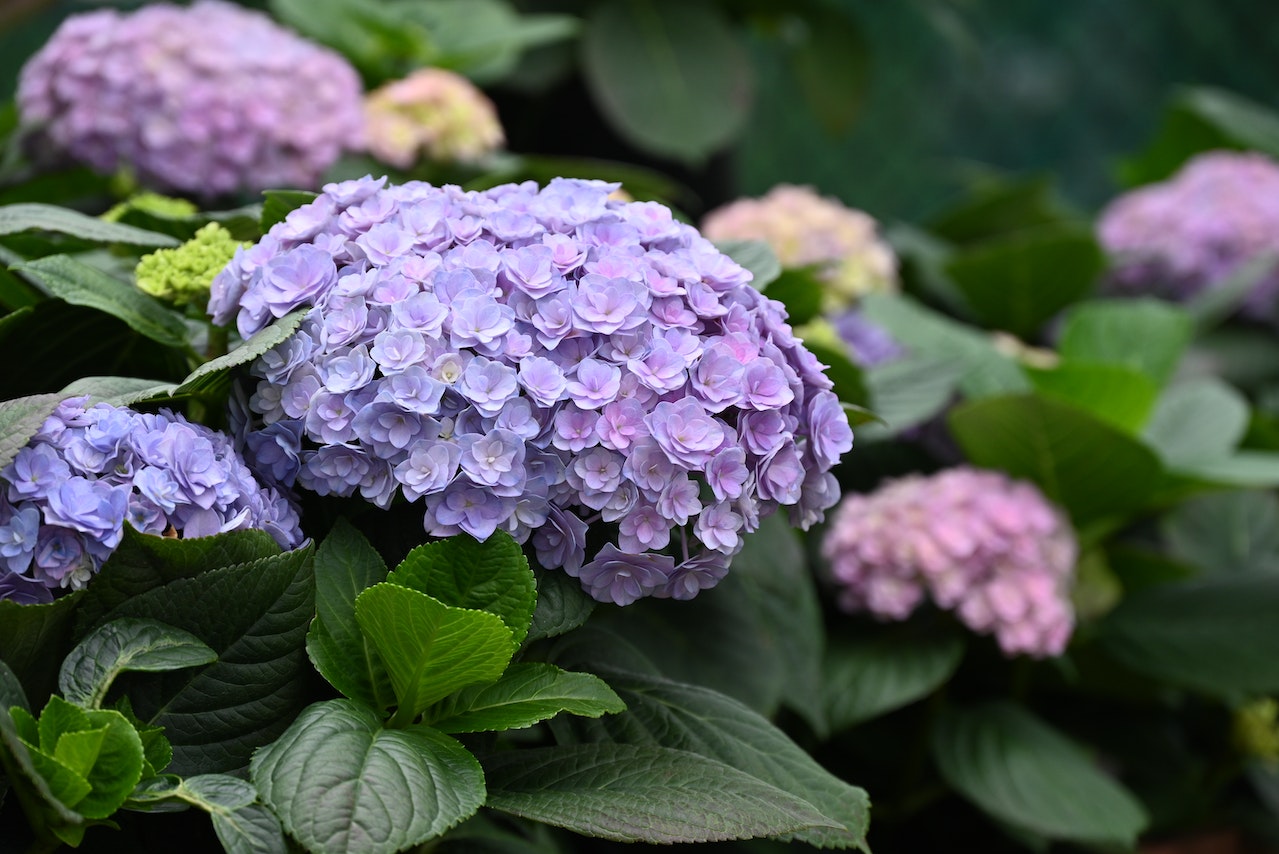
{"x": 433, "y": 113}
{"x": 91, "y": 469}
{"x": 989, "y": 548}
{"x": 535, "y": 361}
{"x": 206, "y": 100}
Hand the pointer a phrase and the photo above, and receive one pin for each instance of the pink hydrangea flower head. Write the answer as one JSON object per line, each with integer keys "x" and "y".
{"x": 536, "y": 360}
{"x": 806, "y": 229}
{"x": 434, "y": 113}
{"x": 991, "y": 549}
{"x": 1179, "y": 237}
{"x": 205, "y": 100}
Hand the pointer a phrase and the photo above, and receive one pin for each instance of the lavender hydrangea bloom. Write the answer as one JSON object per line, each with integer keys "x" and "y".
{"x": 207, "y": 100}
{"x": 537, "y": 360}
{"x": 63, "y": 508}
{"x": 1182, "y": 236}
{"x": 991, "y": 549}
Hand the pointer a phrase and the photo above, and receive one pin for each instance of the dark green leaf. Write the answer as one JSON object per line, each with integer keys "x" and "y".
{"x": 242, "y": 825}
{"x": 1079, "y": 461}
{"x": 33, "y": 636}
{"x": 999, "y": 208}
{"x": 492, "y": 576}
{"x": 1117, "y": 395}
{"x": 801, "y": 292}
{"x": 21, "y": 419}
{"x": 11, "y": 691}
{"x": 525, "y": 694}
{"x": 1018, "y": 282}
{"x": 79, "y": 284}
{"x": 1026, "y": 774}
{"x": 848, "y": 380}
{"x": 756, "y": 256}
{"x": 867, "y": 677}
{"x": 341, "y": 784}
{"x": 33, "y": 216}
{"x": 1199, "y": 420}
{"x": 672, "y": 78}
{"x": 1226, "y": 532}
{"x": 278, "y": 204}
{"x": 1215, "y": 634}
{"x": 562, "y": 605}
{"x": 631, "y": 793}
{"x": 831, "y": 64}
{"x": 215, "y": 374}
{"x": 1146, "y": 335}
{"x": 126, "y": 645}
{"x": 346, "y": 565}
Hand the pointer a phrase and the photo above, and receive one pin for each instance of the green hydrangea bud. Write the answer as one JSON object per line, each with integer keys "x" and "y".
{"x": 1257, "y": 729}
{"x": 183, "y": 275}
{"x": 152, "y": 203}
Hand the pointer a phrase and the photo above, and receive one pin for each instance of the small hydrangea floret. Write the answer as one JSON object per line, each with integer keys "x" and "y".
{"x": 66, "y": 496}
{"x": 539, "y": 361}
{"x": 991, "y": 549}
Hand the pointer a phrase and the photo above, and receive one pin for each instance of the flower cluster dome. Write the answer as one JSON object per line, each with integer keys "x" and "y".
{"x": 433, "y": 112}
{"x": 805, "y": 229}
{"x": 206, "y": 100}
{"x": 1182, "y": 236}
{"x": 65, "y": 497}
{"x": 536, "y": 361}
{"x": 991, "y": 549}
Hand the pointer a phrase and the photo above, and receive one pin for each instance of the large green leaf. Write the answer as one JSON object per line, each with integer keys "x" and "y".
{"x": 867, "y": 677}
{"x": 562, "y": 605}
{"x": 756, "y": 256}
{"x": 1117, "y": 395}
{"x": 695, "y": 719}
{"x": 641, "y": 793}
{"x": 670, "y": 76}
{"x": 1028, "y": 775}
{"x": 525, "y": 694}
{"x": 1147, "y": 335}
{"x": 117, "y": 764}
{"x": 214, "y": 375}
{"x": 909, "y": 391}
{"x": 492, "y": 576}
{"x": 341, "y": 784}
{"x": 77, "y": 283}
{"x": 32, "y": 637}
{"x": 278, "y": 204}
{"x": 119, "y": 391}
{"x": 1019, "y": 281}
{"x": 33, "y": 216}
{"x": 1195, "y": 421}
{"x": 11, "y": 690}
{"x": 984, "y": 370}
{"x": 346, "y": 565}
{"x": 1080, "y": 462}
{"x": 20, "y": 767}
{"x": 126, "y": 645}
{"x": 242, "y": 825}
{"x": 21, "y": 419}
{"x": 1234, "y": 531}
{"x": 1215, "y": 634}
{"x": 430, "y": 649}
{"x": 998, "y": 208}
{"x": 255, "y": 616}
{"x": 1248, "y": 469}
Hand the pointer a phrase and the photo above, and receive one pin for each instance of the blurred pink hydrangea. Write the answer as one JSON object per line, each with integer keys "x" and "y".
{"x": 432, "y": 112}
{"x": 206, "y": 100}
{"x": 1182, "y": 236}
{"x": 991, "y": 549}
{"x": 806, "y": 229}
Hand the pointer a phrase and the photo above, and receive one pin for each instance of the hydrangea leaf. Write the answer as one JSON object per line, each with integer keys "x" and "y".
{"x": 119, "y": 391}
{"x": 801, "y": 292}
{"x": 1147, "y": 335}
{"x": 45, "y": 790}
{"x": 1214, "y": 634}
{"x": 868, "y": 677}
{"x": 214, "y": 374}
{"x": 1019, "y": 281}
{"x": 345, "y": 565}
{"x": 491, "y": 576}
{"x": 79, "y": 284}
{"x": 1063, "y": 449}
{"x": 1027, "y": 774}
{"x": 756, "y": 256}
{"x": 525, "y": 694}
{"x": 278, "y": 204}
{"x": 126, "y": 645}
{"x": 641, "y": 793}
{"x": 21, "y": 419}
{"x": 29, "y": 216}
{"x": 562, "y": 605}
{"x": 242, "y": 825}
{"x": 1198, "y": 420}
{"x": 11, "y": 692}
{"x": 341, "y": 783}
{"x": 157, "y": 752}
{"x": 996, "y": 208}
{"x": 848, "y": 380}
{"x": 670, "y": 715}
{"x": 671, "y": 77}
{"x": 909, "y": 391}
{"x": 1236, "y": 531}
{"x": 430, "y": 649}
{"x": 254, "y": 615}
{"x": 117, "y": 767}
{"x": 31, "y": 636}
{"x": 1117, "y": 395}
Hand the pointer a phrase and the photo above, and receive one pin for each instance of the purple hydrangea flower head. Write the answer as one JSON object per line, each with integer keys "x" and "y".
{"x": 206, "y": 100}
{"x": 1179, "y": 237}
{"x": 548, "y": 360}
{"x": 978, "y": 543}
{"x": 63, "y": 509}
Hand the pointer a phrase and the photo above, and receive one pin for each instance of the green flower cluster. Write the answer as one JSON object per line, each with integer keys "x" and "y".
{"x": 183, "y": 275}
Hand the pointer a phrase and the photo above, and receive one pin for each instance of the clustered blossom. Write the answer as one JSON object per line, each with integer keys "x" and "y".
{"x": 66, "y": 496}
{"x": 1185, "y": 235}
{"x": 207, "y": 100}
{"x": 991, "y": 549}
{"x": 183, "y": 274}
{"x": 432, "y": 112}
{"x": 805, "y": 229}
{"x": 535, "y": 361}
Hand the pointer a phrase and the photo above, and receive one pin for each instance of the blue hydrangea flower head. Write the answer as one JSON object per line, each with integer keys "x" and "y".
{"x": 66, "y": 496}
{"x": 537, "y": 360}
